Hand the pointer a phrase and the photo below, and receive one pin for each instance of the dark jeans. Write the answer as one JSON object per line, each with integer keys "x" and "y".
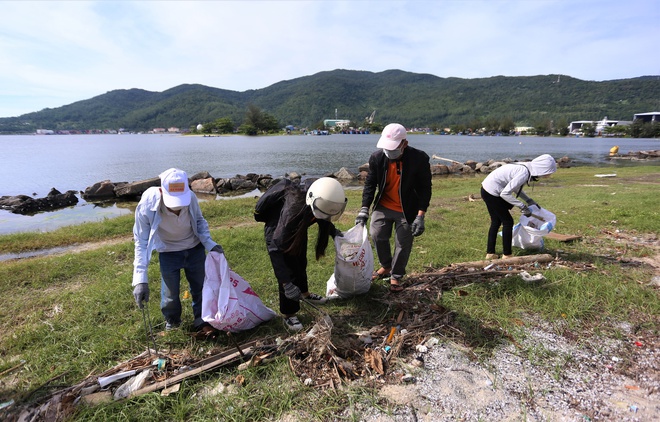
{"x": 192, "y": 262}
{"x": 498, "y": 209}
{"x": 289, "y": 268}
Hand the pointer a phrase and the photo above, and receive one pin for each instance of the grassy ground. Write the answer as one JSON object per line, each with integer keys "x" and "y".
{"x": 63, "y": 317}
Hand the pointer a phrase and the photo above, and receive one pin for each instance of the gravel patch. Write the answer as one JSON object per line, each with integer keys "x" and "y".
{"x": 546, "y": 377}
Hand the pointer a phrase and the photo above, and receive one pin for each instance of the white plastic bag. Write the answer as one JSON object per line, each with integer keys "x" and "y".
{"x": 529, "y": 232}
{"x": 354, "y": 263}
{"x": 228, "y": 301}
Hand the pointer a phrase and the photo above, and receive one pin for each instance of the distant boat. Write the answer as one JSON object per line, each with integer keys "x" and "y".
{"x": 319, "y": 132}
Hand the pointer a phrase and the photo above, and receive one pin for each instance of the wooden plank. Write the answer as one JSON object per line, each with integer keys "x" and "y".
{"x": 562, "y": 237}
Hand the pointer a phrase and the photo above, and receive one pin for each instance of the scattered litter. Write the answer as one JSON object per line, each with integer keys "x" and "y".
{"x": 639, "y": 344}
{"x": 105, "y": 381}
{"x": 421, "y": 348}
{"x": 170, "y": 390}
{"x": 309, "y": 382}
{"x": 633, "y": 408}
{"x": 6, "y": 404}
{"x": 528, "y": 277}
{"x": 605, "y": 175}
{"x": 132, "y": 385}
{"x": 489, "y": 266}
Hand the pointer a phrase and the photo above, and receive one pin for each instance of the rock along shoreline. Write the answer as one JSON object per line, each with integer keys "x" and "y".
{"x": 204, "y": 183}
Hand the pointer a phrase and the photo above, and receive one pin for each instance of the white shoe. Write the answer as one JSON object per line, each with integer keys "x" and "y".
{"x": 293, "y": 323}
{"x": 316, "y": 299}
{"x": 492, "y": 256}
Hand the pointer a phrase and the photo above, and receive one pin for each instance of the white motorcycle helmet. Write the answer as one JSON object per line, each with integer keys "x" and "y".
{"x": 327, "y": 199}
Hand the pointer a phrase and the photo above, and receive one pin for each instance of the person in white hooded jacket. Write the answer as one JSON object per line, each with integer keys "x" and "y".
{"x": 500, "y": 191}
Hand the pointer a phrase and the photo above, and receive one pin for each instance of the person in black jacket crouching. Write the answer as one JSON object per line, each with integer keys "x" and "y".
{"x": 399, "y": 187}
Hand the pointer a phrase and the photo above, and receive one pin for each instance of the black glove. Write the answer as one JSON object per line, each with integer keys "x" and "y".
{"x": 141, "y": 293}
{"x": 526, "y": 211}
{"x": 218, "y": 249}
{"x": 418, "y": 226}
{"x": 337, "y": 233}
{"x": 291, "y": 291}
{"x": 362, "y": 216}
{"x": 532, "y": 202}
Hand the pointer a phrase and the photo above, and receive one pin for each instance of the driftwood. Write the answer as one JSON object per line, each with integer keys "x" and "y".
{"x": 516, "y": 260}
{"x": 435, "y": 157}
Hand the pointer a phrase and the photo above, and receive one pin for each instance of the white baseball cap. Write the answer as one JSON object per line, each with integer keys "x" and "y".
{"x": 391, "y": 136}
{"x": 174, "y": 185}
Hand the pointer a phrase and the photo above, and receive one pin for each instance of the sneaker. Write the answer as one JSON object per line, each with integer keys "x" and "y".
{"x": 507, "y": 256}
{"x": 293, "y": 323}
{"x": 169, "y": 326}
{"x": 492, "y": 256}
{"x": 316, "y": 299}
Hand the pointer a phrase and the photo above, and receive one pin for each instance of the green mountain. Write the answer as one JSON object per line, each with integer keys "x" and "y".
{"x": 412, "y": 99}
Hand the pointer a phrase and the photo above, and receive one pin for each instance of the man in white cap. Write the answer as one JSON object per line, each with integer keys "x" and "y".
{"x": 168, "y": 219}
{"x": 399, "y": 187}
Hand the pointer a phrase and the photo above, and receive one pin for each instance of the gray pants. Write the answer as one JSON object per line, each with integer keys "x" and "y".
{"x": 382, "y": 221}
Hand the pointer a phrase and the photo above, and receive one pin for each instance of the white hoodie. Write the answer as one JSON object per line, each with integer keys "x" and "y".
{"x": 507, "y": 181}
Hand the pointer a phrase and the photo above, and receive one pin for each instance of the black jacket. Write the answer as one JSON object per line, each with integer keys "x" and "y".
{"x": 285, "y": 213}
{"x": 415, "y": 189}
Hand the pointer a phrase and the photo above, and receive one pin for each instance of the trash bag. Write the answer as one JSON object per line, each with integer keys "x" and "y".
{"x": 228, "y": 301}
{"x": 529, "y": 232}
{"x": 354, "y": 263}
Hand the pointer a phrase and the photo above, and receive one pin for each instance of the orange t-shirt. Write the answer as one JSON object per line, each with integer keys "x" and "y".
{"x": 390, "y": 198}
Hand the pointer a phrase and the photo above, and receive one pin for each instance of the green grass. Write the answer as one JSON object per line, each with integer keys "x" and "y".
{"x": 71, "y": 315}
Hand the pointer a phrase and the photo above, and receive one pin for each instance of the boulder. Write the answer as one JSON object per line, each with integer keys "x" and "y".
{"x": 23, "y": 204}
{"x": 439, "y": 169}
{"x": 135, "y": 189}
{"x": 564, "y": 162}
{"x": 203, "y": 185}
{"x": 99, "y": 191}
{"x": 344, "y": 174}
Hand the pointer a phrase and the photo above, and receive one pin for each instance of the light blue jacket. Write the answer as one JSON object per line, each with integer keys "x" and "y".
{"x": 145, "y": 230}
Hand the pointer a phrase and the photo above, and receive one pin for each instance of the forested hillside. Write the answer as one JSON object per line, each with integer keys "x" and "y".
{"x": 410, "y": 98}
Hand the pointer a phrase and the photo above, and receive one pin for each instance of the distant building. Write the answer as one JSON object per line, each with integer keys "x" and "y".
{"x": 44, "y": 132}
{"x": 329, "y": 123}
{"x": 653, "y": 116}
{"x": 599, "y": 125}
{"x": 173, "y": 130}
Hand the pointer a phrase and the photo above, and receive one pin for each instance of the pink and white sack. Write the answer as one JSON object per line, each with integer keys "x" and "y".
{"x": 228, "y": 301}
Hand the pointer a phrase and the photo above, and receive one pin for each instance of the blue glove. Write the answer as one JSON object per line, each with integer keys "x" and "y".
{"x": 218, "y": 249}
{"x": 291, "y": 291}
{"x": 418, "y": 226}
{"x": 141, "y": 293}
{"x": 362, "y": 216}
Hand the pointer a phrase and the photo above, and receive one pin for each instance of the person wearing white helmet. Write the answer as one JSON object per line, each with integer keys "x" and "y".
{"x": 288, "y": 209}
{"x": 399, "y": 187}
{"x": 500, "y": 191}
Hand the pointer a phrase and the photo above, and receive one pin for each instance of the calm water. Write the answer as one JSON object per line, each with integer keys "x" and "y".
{"x": 35, "y": 164}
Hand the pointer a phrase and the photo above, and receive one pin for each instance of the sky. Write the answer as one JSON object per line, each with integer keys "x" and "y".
{"x": 54, "y": 53}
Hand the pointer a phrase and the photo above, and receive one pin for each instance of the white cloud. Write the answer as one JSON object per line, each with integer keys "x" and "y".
{"x": 53, "y": 53}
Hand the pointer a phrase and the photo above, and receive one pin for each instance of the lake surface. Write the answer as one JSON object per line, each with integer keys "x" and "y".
{"x": 32, "y": 165}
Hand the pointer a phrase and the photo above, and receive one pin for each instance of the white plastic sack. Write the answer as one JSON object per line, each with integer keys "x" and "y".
{"x": 354, "y": 263}
{"x": 228, "y": 301}
{"x": 529, "y": 232}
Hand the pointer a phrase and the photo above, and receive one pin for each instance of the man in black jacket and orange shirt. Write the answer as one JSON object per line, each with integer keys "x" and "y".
{"x": 399, "y": 187}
